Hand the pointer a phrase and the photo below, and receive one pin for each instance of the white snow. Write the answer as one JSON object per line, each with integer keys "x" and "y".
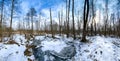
{"x": 12, "y": 52}
{"x": 39, "y": 37}
{"x": 19, "y": 39}
{"x": 53, "y": 44}
{"x": 99, "y": 48}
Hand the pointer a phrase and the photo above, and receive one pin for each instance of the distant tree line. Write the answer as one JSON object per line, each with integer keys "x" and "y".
{"x": 84, "y": 25}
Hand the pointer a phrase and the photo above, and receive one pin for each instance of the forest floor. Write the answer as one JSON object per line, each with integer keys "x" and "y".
{"x": 99, "y": 48}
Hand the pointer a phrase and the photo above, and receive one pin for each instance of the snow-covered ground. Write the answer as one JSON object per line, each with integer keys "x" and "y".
{"x": 99, "y": 48}
{"x": 14, "y": 51}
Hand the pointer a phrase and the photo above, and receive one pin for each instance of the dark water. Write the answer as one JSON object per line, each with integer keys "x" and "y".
{"x": 65, "y": 54}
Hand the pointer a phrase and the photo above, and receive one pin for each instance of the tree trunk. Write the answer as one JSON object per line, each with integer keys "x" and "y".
{"x": 12, "y": 8}
{"x": 1, "y": 20}
{"x": 51, "y": 23}
{"x": 32, "y": 23}
{"x": 85, "y": 18}
{"x": 59, "y": 23}
{"x": 74, "y": 36}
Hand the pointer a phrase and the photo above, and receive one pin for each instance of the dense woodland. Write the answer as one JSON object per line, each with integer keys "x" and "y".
{"x": 73, "y": 23}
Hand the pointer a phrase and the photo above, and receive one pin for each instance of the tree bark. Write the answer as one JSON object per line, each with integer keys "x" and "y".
{"x": 51, "y": 23}
{"x": 85, "y": 18}
{"x": 12, "y": 8}
{"x": 74, "y": 36}
{"x": 1, "y": 20}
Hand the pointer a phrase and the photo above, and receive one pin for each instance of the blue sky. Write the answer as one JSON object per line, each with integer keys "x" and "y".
{"x": 39, "y": 4}
{"x": 57, "y": 5}
{"x": 44, "y": 5}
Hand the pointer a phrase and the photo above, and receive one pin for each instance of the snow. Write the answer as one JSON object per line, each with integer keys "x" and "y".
{"x": 55, "y": 45}
{"x": 12, "y": 53}
{"x": 99, "y": 48}
{"x": 19, "y": 39}
{"x": 39, "y": 37}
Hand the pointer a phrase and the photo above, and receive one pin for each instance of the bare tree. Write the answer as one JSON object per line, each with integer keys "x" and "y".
{"x": 106, "y": 15}
{"x": 59, "y": 23}
{"x": 118, "y": 27}
{"x": 51, "y": 24}
{"x": 65, "y": 27}
{"x": 45, "y": 27}
{"x": 32, "y": 14}
{"x": 61, "y": 18}
{"x": 67, "y": 33}
{"x": 39, "y": 22}
{"x": 67, "y": 16}
{"x": 92, "y": 17}
{"x": 113, "y": 23}
{"x": 74, "y": 36}
{"x": 2, "y": 6}
{"x": 12, "y": 8}
{"x": 118, "y": 16}
{"x": 85, "y": 18}
{"x": 78, "y": 23}
{"x": 28, "y": 22}
{"x": 99, "y": 27}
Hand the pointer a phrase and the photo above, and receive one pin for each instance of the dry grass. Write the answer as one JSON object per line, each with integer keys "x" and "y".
{"x": 12, "y": 42}
{"x": 27, "y": 52}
